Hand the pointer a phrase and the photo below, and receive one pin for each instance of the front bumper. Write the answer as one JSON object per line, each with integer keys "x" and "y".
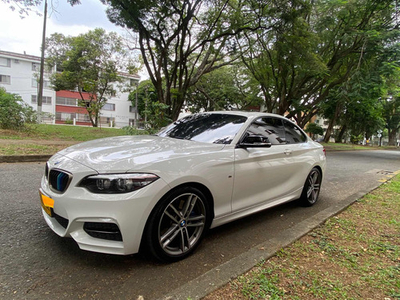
{"x": 79, "y": 214}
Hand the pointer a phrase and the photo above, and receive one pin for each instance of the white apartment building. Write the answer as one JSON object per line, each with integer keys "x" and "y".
{"x": 19, "y": 73}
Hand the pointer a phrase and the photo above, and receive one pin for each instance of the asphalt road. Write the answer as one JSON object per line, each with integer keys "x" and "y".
{"x": 37, "y": 264}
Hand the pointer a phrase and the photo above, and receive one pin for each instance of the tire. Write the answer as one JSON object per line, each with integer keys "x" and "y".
{"x": 311, "y": 189}
{"x": 177, "y": 224}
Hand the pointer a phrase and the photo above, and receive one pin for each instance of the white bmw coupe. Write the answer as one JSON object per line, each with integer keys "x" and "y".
{"x": 162, "y": 193}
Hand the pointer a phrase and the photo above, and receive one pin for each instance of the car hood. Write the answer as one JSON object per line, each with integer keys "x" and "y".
{"x": 133, "y": 153}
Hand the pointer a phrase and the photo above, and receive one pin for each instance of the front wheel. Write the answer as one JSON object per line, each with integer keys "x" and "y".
{"x": 311, "y": 188}
{"x": 177, "y": 224}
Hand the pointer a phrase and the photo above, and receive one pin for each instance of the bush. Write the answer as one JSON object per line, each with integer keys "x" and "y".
{"x": 14, "y": 112}
{"x": 313, "y": 129}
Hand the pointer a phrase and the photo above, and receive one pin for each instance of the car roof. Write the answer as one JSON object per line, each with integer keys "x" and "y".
{"x": 248, "y": 114}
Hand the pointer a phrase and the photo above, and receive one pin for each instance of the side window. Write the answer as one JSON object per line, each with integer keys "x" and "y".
{"x": 293, "y": 134}
{"x": 271, "y": 128}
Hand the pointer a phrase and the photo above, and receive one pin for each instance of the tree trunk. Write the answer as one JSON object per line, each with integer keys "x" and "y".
{"x": 332, "y": 123}
{"x": 392, "y": 137}
{"x": 328, "y": 132}
{"x": 339, "y": 137}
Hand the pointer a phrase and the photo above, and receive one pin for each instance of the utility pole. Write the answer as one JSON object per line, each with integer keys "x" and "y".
{"x": 40, "y": 92}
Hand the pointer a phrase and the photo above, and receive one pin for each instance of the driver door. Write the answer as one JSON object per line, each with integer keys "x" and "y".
{"x": 261, "y": 173}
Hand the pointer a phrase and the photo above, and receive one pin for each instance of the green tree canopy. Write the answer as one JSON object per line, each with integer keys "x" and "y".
{"x": 226, "y": 88}
{"x": 180, "y": 41}
{"x": 314, "y": 47}
{"x": 89, "y": 63}
{"x": 313, "y": 129}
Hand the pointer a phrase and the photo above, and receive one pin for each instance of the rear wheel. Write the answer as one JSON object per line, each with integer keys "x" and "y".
{"x": 312, "y": 187}
{"x": 177, "y": 224}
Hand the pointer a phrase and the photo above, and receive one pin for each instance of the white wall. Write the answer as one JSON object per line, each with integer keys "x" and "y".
{"x": 21, "y": 81}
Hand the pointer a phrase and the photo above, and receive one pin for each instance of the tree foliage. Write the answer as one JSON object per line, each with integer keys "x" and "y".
{"x": 315, "y": 46}
{"x": 227, "y": 88}
{"x": 353, "y": 106}
{"x": 390, "y": 99}
{"x": 314, "y": 129}
{"x": 14, "y": 112}
{"x": 305, "y": 57}
{"x": 180, "y": 41}
{"x": 149, "y": 107}
{"x": 89, "y": 63}
{"x": 23, "y": 7}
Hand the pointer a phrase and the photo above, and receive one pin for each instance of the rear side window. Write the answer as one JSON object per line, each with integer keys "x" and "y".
{"x": 293, "y": 134}
{"x": 271, "y": 128}
{"x": 277, "y": 131}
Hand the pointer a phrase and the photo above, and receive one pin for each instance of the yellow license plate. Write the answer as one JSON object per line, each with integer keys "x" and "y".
{"x": 47, "y": 204}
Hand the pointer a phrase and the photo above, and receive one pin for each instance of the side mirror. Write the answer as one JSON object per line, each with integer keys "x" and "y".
{"x": 254, "y": 141}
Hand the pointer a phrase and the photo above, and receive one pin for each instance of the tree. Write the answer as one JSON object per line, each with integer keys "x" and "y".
{"x": 313, "y": 129}
{"x": 391, "y": 104}
{"x": 314, "y": 47}
{"x": 359, "y": 105}
{"x": 354, "y": 106}
{"x": 149, "y": 107}
{"x": 89, "y": 63}
{"x": 180, "y": 41}
{"x": 23, "y": 6}
{"x": 14, "y": 112}
{"x": 226, "y": 88}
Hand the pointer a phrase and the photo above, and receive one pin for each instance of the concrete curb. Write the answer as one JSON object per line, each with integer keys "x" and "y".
{"x": 23, "y": 158}
{"x": 221, "y": 275}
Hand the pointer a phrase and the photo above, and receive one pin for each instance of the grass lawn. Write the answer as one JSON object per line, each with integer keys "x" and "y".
{"x": 49, "y": 139}
{"x": 350, "y": 147}
{"x": 355, "y": 255}
{"x": 60, "y": 132}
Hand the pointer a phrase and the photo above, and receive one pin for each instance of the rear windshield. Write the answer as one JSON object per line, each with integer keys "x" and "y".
{"x": 206, "y": 128}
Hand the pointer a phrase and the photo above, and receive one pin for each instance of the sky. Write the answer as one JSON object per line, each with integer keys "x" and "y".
{"x": 25, "y": 35}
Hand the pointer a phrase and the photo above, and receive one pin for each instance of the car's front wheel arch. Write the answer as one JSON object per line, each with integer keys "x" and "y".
{"x": 148, "y": 242}
{"x": 312, "y": 187}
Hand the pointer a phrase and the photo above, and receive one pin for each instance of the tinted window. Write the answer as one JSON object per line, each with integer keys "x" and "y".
{"x": 207, "y": 128}
{"x": 293, "y": 134}
{"x": 271, "y": 128}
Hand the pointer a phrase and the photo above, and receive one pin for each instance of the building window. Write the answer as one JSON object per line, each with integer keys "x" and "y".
{"x": 5, "y": 79}
{"x": 107, "y": 120}
{"x": 35, "y": 67}
{"x": 45, "y": 100}
{"x": 134, "y": 82}
{"x": 132, "y": 109}
{"x": 109, "y": 106}
{"x": 46, "y": 83}
{"x": 5, "y": 62}
{"x": 66, "y": 101}
{"x": 61, "y": 116}
{"x": 82, "y": 118}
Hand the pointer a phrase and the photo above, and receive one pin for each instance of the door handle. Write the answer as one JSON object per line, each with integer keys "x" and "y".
{"x": 288, "y": 152}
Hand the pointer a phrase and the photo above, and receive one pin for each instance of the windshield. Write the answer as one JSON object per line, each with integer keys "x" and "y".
{"x": 206, "y": 128}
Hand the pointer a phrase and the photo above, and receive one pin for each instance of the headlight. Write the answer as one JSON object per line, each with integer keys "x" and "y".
{"x": 117, "y": 183}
